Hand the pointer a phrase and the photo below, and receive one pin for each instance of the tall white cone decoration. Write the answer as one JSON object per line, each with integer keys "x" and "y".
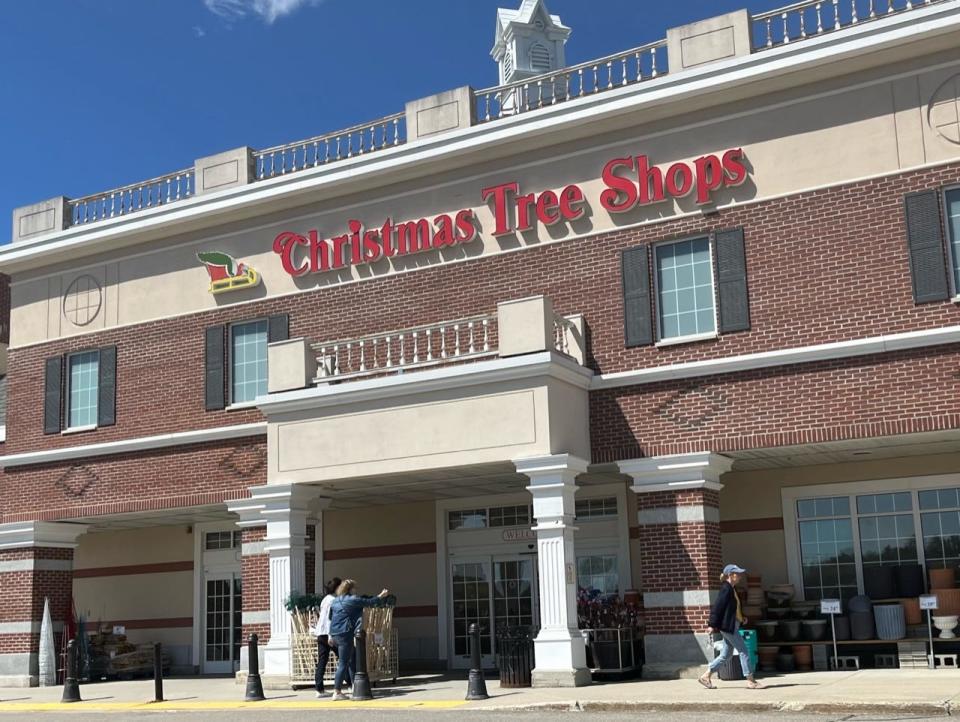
{"x": 48, "y": 657}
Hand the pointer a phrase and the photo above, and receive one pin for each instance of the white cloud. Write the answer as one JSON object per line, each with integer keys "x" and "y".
{"x": 268, "y": 10}
{"x": 198, "y": 31}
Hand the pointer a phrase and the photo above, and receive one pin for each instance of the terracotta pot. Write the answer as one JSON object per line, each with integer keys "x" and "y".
{"x": 948, "y": 602}
{"x": 631, "y": 597}
{"x": 803, "y": 657}
{"x": 768, "y": 658}
{"x": 911, "y": 610}
{"x": 755, "y": 597}
{"x": 752, "y": 613}
{"x": 785, "y": 662}
{"x": 814, "y": 629}
{"x": 754, "y": 580}
{"x": 942, "y": 579}
{"x": 878, "y": 582}
{"x": 767, "y": 630}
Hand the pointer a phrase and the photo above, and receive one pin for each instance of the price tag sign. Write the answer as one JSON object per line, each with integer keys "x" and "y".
{"x": 829, "y": 606}
{"x": 928, "y": 601}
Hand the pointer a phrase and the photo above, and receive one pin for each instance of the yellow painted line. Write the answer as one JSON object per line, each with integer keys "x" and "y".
{"x": 193, "y": 705}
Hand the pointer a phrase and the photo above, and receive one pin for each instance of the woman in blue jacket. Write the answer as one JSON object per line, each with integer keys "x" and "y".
{"x": 726, "y": 617}
{"x": 346, "y": 614}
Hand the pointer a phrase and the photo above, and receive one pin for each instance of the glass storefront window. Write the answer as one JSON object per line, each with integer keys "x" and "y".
{"x": 598, "y": 572}
{"x": 940, "y": 525}
{"x": 842, "y": 535}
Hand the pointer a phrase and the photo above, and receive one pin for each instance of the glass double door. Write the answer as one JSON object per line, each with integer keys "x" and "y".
{"x": 222, "y": 623}
{"x": 492, "y": 592}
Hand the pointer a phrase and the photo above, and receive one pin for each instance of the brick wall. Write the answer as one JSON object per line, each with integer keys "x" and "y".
{"x": 183, "y": 476}
{"x": 255, "y": 576}
{"x": 678, "y": 557}
{"x": 823, "y": 266}
{"x": 22, "y": 594}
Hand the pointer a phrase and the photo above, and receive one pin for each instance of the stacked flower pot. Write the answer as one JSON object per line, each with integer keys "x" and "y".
{"x": 943, "y": 584}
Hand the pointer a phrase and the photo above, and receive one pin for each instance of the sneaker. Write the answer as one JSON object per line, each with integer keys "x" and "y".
{"x": 321, "y": 694}
{"x": 337, "y": 696}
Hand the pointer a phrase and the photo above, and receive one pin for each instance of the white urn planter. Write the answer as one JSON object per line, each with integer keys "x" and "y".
{"x": 946, "y": 625}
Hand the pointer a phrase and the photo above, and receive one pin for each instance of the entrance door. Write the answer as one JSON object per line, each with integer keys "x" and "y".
{"x": 471, "y": 605}
{"x": 513, "y": 592}
{"x": 494, "y": 592}
{"x": 222, "y": 620}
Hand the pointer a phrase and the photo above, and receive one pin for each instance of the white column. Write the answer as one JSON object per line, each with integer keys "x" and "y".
{"x": 285, "y": 508}
{"x": 559, "y": 647}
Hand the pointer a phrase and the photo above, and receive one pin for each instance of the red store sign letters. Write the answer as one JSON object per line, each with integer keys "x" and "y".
{"x": 630, "y": 182}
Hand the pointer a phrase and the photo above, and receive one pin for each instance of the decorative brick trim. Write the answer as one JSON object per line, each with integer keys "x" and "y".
{"x": 122, "y": 507}
{"x": 390, "y": 550}
{"x": 159, "y": 623}
{"x": 425, "y": 610}
{"x": 156, "y": 568}
{"x": 734, "y": 526}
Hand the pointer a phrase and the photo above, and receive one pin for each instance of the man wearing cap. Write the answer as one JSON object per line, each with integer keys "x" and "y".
{"x": 726, "y": 617}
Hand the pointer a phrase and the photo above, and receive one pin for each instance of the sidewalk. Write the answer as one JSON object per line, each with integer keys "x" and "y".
{"x": 919, "y": 692}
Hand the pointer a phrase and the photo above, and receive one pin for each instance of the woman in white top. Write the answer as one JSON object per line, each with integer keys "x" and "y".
{"x": 322, "y": 630}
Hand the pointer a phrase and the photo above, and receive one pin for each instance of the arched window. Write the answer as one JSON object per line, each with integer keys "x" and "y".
{"x": 539, "y": 58}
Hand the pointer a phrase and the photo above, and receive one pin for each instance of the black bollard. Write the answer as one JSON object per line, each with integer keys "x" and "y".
{"x": 476, "y": 685}
{"x": 254, "y": 691}
{"x": 71, "y": 689}
{"x": 361, "y": 681}
{"x": 157, "y": 673}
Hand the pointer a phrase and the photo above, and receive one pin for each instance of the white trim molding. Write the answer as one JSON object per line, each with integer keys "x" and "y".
{"x": 25, "y": 534}
{"x": 142, "y": 443}
{"x": 678, "y": 515}
{"x": 686, "y": 598}
{"x": 675, "y": 472}
{"x": 780, "y": 357}
{"x": 545, "y": 363}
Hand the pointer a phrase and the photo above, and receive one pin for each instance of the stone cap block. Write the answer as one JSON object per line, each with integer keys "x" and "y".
{"x": 39, "y": 218}
{"x": 450, "y": 110}
{"x": 291, "y": 365}
{"x": 525, "y": 326}
{"x": 707, "y": 41}
{"x": 224, "y": 170}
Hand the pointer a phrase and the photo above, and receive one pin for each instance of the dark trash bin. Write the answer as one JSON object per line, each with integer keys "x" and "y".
{"x": 515, "y": 655}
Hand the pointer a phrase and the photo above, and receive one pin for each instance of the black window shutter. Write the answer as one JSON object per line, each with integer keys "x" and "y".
{"x": 638, "y": 324}
{"x": 279, "y": 328}
{"x": 52, "y": 395}
{"x": 107, "y": 388}
{"x": 928, "y": 266}
{"x": 732, "y": 281}
{"x": 214, "y": 369}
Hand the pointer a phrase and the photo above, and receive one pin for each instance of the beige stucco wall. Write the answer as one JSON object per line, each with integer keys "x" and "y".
{"x": 757, "y": 495}
{"x": 137, "y": 597}
{"x": 412, "y": 577}
{"x": 792, "y": 140}
{"x": 507, "y": 420}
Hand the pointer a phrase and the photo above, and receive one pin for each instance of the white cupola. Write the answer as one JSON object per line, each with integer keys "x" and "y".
{"x": 529, "y": 41}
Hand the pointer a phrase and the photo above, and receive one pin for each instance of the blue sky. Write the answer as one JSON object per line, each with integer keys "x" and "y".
{"x": 100, "y": 93}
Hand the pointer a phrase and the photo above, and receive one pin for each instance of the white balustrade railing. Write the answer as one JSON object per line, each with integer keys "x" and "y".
{"x": 613, "y": 71}
{"x": 815, "y": 17}
{"x": 129, "y": 199}
{"x": 358, "y": 140}
{"x": 565, "y": 334}
{"x": 774, "y": 28}
{"x": 411, "y": 348}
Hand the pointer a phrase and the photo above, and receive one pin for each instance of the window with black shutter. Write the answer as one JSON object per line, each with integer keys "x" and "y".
{"x": 928, "y": 268}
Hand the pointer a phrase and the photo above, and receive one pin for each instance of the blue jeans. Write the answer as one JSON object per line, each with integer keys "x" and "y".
{"x": 345, "y": 660}
{"x": 731, "y": 641}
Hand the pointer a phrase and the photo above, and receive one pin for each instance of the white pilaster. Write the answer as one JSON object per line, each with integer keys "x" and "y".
{"x": 559, "y": 647}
